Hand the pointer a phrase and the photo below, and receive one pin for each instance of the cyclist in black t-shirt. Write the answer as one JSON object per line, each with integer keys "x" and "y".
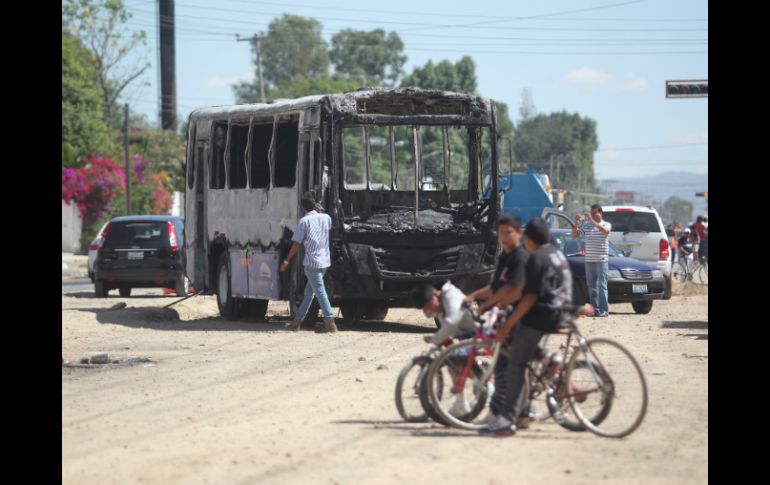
{"x": 505, "y": 289}
{"x": 547, "y": 288}
{"x": 508, "y": 280}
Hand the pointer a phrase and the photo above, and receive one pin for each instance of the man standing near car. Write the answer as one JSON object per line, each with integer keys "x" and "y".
{"x": 313, "y": 233}
{"x": 596, "y": 232}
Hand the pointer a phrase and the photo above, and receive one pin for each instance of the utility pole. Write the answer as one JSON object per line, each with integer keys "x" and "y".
{"x": 579, "y": 188}
{"x": 550, "y": 171}
{"x": 256, "y": 38}
{"x": 128, "y": 163}
{"x": 167, "y": 65}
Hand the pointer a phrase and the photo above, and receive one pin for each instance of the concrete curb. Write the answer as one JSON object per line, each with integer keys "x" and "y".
{"x": 74, "y": 265}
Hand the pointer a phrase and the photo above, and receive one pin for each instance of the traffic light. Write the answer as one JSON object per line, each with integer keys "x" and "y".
{"x": 702, "y": 194}
{"x": 687, "y": 89}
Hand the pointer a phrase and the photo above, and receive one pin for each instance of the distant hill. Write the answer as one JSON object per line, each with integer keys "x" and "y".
{"x": 662, "y": 186}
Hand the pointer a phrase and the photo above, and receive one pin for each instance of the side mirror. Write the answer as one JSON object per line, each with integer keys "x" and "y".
{"x": 626, "y": 253}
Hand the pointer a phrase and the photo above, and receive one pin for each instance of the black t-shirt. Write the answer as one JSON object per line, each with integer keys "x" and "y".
{"x": 685, "y": 244}
{"x": 549, "y": 277}
{"x": 511, "y": 268}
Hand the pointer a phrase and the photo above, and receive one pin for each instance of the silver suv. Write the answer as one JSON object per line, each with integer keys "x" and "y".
{"x": 640, "y": 230}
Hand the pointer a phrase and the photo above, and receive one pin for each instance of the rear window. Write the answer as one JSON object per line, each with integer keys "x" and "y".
{"x": 632, "y": 221}
{"x": 137, "y": 233}
{"x": 576, "y": 246}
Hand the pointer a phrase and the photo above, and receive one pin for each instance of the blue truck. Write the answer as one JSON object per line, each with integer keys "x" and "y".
{"x": 526, "y": 194}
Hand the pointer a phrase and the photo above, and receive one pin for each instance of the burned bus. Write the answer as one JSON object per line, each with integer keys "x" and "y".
{"x": 409, "y": 178}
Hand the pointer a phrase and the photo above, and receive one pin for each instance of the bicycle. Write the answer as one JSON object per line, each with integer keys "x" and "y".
{"x": 695, "y": 271}
{"x": 467, "y": 367}
{"x": 411, "y": 396}
{"x": 412, "y": 388}
{"x": 600, "y": 376}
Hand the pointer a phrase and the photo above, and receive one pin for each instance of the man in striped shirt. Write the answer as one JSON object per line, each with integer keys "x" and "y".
{"x": 313, "y": 232}
{"x": 596, "y": 232}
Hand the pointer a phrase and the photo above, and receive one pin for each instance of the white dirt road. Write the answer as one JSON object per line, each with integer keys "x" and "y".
{"x": 246, "y": 402}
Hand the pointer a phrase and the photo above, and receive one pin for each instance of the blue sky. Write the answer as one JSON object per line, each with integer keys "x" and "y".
{"x": 604, "y": 59}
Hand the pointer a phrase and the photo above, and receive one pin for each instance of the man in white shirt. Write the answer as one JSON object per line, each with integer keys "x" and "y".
{"x": 596, "y": 232}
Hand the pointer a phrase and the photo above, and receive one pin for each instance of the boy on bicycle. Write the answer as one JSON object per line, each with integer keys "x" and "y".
{"x": 686, "y": 248}
{"x": 547, "y": 287}
{"x": 455, "y": 318}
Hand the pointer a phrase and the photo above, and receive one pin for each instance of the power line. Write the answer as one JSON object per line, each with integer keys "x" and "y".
{"x": 454, "y": 36}
{"x": 438, "y": 14}
{"x": 422, "y": 26}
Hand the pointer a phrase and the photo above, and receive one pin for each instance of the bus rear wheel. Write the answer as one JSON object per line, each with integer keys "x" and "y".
{"x": 229, "y": 307}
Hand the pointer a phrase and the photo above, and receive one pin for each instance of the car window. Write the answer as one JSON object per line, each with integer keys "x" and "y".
{"x": 130, "y": 232}
{"x": 575, "y": 246}
{"x": 632, "y": 221}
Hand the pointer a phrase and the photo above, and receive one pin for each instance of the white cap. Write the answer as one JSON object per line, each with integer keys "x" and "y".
{"x": 686, "y": 229}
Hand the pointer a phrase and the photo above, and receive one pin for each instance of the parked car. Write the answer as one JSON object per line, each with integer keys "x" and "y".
{"x": 141, "y": 252}
{"x": 628, "y": 280}
{"x": 93, "y": 249}
{"x": 640, "y": 230}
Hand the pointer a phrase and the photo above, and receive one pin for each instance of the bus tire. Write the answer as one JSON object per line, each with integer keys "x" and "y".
{"x": 229, "y": 307}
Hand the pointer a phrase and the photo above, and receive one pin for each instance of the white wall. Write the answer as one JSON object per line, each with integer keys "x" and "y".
{"x": 177, "y": 208}
{"x": 71, "y": 227}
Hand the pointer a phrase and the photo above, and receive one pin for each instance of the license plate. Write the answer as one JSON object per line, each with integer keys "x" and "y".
{"x": 136, "y": 255}
{"x": 624, "y": 246}
{"x": 639, "y": 288}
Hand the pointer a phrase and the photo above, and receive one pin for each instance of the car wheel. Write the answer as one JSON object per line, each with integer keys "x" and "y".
{"x": 351, "y": 312}
{"x": 100, "y": 289}
{"x": 642, "y": 307}
{"x": 374, "y": 310}
{"x": 124, "y": 290}
{"x": 182, "y": 286}
{"x": 228, "y": 306}
{"x": 256, "y": 309}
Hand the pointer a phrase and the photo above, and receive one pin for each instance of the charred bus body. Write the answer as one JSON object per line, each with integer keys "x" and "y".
{"x": 401, "y": 173}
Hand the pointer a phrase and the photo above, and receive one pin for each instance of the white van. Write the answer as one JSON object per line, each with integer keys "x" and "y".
{"x": 640, "y": 230}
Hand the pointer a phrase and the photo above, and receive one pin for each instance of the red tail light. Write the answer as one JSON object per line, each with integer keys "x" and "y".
{"x": 172, "y": 239}
{"x": 663, "y": 255}
{"x": 93, "y": 247}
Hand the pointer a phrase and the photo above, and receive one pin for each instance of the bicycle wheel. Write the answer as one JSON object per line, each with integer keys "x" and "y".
{"x": 408, "y": 387}
{"x": 560, "y": 407}
{"x": 609, "y": 376}
{"x": 680, "y": 272}
{"x": 460, "y": 383}
{"x": 702, "y": 275}
{"x": 427, "y": 406}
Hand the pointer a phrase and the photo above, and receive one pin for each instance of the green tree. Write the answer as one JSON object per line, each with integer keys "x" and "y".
{"x": 101, "y": 27}
{"x": 293, "y": 47}
{"x": 459, "y": 77}
{"x": 676, "y": 209}
{"x": 559, "y": 136}
{"x": 84, "y": 132}
{"x": 164, "y": 150}
{"x": 371, "y": 57}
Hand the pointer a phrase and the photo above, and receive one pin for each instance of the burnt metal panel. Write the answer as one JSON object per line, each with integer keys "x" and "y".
{"x": 264, "y": 274}
{"x": 255, "y": 217}
{"x": 239, "y": 273}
